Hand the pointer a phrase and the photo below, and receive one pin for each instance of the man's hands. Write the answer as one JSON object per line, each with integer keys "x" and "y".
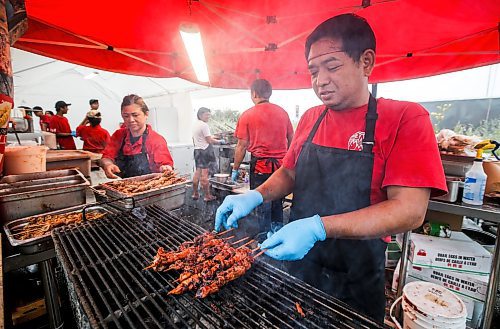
{"x": 295, "y": 239}
{"x": 235, "y": 207}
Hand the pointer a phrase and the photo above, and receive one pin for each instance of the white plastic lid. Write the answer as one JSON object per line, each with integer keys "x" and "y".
{"x": 435, "y": 300}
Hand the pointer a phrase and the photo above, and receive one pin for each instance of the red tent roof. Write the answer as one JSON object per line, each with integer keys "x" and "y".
{"x": 244, "y": 40}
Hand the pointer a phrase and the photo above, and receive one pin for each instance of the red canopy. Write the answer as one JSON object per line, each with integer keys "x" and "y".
{"x": 244, "y": 40}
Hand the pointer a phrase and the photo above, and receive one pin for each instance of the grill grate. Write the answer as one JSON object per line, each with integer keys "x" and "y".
{"x": 104, "y": 261}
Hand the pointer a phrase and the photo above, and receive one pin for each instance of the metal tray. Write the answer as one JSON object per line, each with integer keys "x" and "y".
{"x": 32, "y": 194}
{"x": 44, "y": 242}
{"x": 168, "y": 197}
{"x": 226, "y": 185}
{"x": 113, "y": 193}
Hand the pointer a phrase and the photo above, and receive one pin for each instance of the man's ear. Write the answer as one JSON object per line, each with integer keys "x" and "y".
{"x": 367, "y": 60}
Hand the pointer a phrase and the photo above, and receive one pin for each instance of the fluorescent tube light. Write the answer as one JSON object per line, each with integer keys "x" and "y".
{"x": 192, "y": 41}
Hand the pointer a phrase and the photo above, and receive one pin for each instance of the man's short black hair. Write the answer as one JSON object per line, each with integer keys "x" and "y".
{"x": 94, "y": 121}
{"x": 201, "y": 111}
{"x": 92, "y": 101}
{"x": 262, "y": 88}
{"x": 352, "y": 30}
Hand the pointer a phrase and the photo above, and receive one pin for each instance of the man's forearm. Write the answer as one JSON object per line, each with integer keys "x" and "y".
{"x": 239, "y": 154}
{"x": 400, "y": 213}
{"x": 278, "y": 185}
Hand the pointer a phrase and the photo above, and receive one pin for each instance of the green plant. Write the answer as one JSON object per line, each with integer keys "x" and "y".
{"x": 223, "y": 120}
{"x": 486, "y": 129}
{"x": 438, "y": 116}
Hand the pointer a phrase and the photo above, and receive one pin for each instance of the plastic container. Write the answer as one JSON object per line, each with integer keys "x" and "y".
{"x": 427, "y": 305}
{"x": 475, "y": 183}
{"x": 25, "y": 159}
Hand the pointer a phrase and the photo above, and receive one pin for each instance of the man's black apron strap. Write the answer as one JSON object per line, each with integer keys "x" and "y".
{"x": 371, "y": 119}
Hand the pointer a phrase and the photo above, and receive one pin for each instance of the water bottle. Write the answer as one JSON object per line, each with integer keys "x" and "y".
{"x": 475, "y": 183}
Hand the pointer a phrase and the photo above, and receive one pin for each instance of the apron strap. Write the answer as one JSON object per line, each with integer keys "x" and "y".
{"x": 143, "y": 146}
{"x": 316, "y": 125}
{"x": 371, "y": 119}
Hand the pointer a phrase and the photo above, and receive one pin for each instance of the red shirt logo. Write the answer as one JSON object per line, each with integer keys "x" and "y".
{"x": 356, "y": 141}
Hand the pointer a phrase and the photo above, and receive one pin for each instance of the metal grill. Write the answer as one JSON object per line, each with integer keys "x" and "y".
{"x": 104, "y": 261}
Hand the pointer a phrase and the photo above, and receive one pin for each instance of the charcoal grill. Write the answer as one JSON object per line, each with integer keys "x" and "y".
{"x": 104, "y": 260}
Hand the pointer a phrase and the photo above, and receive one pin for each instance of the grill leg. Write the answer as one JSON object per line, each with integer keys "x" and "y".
{"x": 51, "y": 296}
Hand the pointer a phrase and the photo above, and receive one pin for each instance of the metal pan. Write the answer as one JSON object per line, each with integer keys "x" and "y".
{"x": 44, "y": 242}
{"x": 32, "y": 194}
{"x": 114, "y": 193}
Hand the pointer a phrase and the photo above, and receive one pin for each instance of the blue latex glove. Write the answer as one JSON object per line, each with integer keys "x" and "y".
{"x": 222, "y": 142}
{"x": 235, "y": 207}
{"x": 73, "y": 133}
{"x": 295, "y": 239}
{"x": 234, "y": 174}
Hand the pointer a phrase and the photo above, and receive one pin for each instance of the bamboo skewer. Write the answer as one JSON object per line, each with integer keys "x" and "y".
{"x": 224, "y": 232}
{"x": 243, "y": 245}
{"x": 260, "y": 253}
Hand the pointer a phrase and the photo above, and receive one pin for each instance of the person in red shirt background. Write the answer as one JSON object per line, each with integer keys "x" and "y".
{"x": 59, "y": 125}
{"x": 95, "y": 138}
{"x": 359, "y": 168}
{"x": 135, "y": 149}
{"x": 44, "y": 118}
{"x": 265, "y": 131}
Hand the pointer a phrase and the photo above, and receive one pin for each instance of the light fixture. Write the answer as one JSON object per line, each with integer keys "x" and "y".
{"x": 191, "y": 37}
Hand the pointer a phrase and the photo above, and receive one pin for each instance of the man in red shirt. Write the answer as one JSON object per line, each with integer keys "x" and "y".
{"x": 59, "y": 125}
{"x": 266, "y": 132}
{"x": 95, "y": 138}
{"x": 44, "y": 119}
{"x": 359, "y": 168}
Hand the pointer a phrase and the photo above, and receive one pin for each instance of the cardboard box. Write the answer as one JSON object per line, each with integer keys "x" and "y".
{"x": 472, "y": 286}
{"x": 457, "y": 253}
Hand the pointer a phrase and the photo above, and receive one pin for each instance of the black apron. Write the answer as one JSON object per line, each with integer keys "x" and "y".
{"x": 134, "y": 165}
{"x": 331, "y": 181}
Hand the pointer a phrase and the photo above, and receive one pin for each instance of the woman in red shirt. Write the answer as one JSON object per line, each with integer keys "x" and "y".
{"x": 135, "y": 149}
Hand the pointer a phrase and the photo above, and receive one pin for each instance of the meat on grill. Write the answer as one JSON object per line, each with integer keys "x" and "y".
{"x": 131, "y": 187}
{"x": 207, "y": 263}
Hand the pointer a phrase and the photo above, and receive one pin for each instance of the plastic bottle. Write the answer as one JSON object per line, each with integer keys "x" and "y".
{"x": 475, "y": 182}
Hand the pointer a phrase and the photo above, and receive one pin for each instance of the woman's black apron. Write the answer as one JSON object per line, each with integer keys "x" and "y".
{"x": 331, "y": 181}
{"x": 134, "y": 165}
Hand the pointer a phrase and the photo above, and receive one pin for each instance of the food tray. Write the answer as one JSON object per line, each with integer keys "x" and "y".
{"x": 36, "y": 193}
{"x": 168, "y": 197}
{"x": 228, "y": 185}
{"x": 43, "y": 242}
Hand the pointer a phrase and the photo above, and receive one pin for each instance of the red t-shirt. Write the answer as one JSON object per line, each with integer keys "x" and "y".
{"x": 156, "y": 148}
{"x": 266, "y": 127}
{"x": 406, "y": 152}
{"x": 44, "y": 119}
{"x": 94, "y": 139}
{"x": 60, "y": 124}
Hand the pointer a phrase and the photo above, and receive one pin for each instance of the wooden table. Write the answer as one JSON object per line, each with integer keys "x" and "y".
{"x": 66, "y": 159}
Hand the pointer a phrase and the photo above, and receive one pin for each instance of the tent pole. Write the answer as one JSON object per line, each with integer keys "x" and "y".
{"x": 374, "y": 90}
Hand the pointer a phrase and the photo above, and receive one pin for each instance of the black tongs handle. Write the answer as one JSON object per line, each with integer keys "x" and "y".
{"x": 497, "y": 146}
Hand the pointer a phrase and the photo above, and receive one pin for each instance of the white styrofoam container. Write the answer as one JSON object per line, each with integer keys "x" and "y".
{"x": 458, "y": 253}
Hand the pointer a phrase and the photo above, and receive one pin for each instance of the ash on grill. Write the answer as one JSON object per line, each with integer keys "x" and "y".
{"x": 104, "y": 262}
